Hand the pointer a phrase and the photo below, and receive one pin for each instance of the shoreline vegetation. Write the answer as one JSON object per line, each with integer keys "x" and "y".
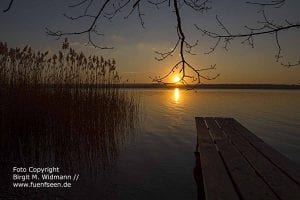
{"x": 78, "y": 129}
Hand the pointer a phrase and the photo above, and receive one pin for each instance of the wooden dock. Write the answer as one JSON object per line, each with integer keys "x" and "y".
{"x": 236, "y": 164}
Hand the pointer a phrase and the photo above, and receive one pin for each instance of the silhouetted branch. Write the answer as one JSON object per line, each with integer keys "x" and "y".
{"x": 184, "y": 47}
{"x": 78, "y": 4}
{"x": 158, "y": 3}
{"x": 89, "y": 30}
{"x": 116, "y": 9}
{"x": 266, "y": 26}
{"x": 289, "y": 64}
{"x": 276, "y": 3}
{"x": 104, "y": 11}
{"x": 78, "y": 17}
{"x": 136, "y": 6}
{"x": 9, "y": 6}
{"x": 164, "y": 55}
{"x": 189, "y": 47}
{"x": 198, "y": 5}
{"x": 140, "y": 16}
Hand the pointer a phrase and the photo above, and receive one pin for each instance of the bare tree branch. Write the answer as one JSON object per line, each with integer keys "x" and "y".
{"x": 164, "y": 55}
{"x": 276, "y": 3}
{"x": 116, "y": 9}
{"x": 198, "y": 5}
{"x": 77, "y": 4}
{"x": 184, "y": 47}
{"x": 266, "y": 27}
{"x": 89, "y": 30}
{"x": 9, "y": 6}
{"x": 157, "y": 4}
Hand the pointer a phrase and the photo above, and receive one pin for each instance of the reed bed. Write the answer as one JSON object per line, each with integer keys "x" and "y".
{"x": 63, "y": 110}
{"x": 27, "y": 67}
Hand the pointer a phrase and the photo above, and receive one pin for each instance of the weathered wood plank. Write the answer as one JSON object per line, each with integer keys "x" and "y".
{"x": 217, "y": 183}
{"x": 249, "y": 184}
{"x": 280, "y": 184}
{"x": 289, "y": 167}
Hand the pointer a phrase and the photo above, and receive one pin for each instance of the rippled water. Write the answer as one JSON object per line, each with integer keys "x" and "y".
{"x": 158, "y": 163}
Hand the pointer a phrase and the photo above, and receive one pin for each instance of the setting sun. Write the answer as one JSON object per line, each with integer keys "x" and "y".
{"x": 176, "y": 79}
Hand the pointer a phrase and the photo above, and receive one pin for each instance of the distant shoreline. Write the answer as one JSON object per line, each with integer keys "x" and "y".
{"x": 214, "y": 86}
{"x": 164, "y": 86}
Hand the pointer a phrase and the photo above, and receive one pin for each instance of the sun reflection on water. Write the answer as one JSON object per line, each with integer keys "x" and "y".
{"x": 176, "y": 95}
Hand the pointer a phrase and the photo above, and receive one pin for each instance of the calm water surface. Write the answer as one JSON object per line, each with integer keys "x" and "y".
{"x": 158, "y": 163}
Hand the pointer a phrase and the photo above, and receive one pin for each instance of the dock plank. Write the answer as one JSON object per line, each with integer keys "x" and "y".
{"x": 216, "y": 181}
{"x": 249, "y": 184}
{"x": 289, "y": 167}
{"x": 280, "y": 183}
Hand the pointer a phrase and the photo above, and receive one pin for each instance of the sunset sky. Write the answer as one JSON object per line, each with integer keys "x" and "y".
{"x": 134, "y": 46}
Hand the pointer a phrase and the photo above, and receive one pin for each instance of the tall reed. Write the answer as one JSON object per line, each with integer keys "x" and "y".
{"x": 27, "y": 67}
{"x": 63, "y": 110}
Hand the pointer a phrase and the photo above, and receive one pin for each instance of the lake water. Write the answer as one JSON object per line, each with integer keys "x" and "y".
{"x": 158, "y": 161}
